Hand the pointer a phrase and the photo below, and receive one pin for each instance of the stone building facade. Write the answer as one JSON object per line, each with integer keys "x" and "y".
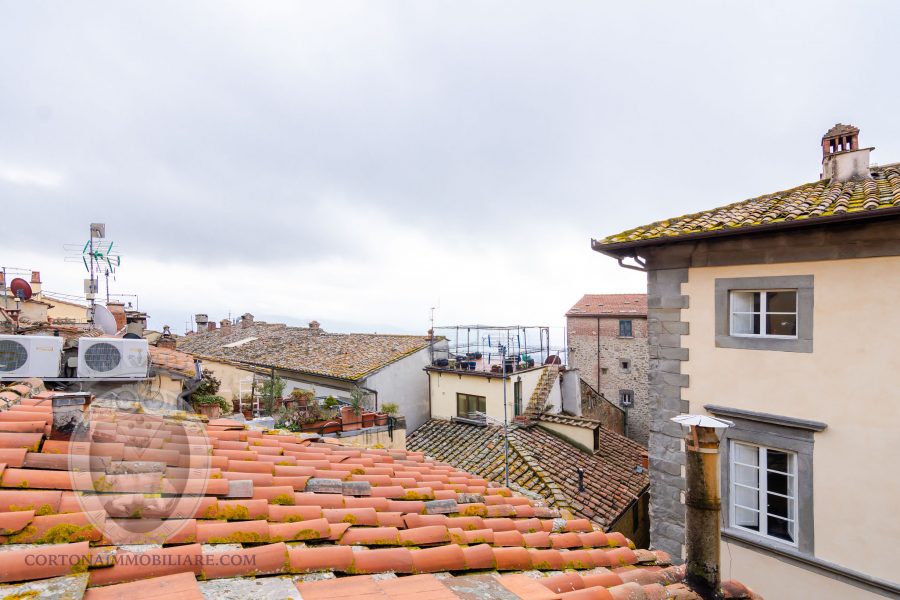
{"x": 607, "y": 340}
{"x": 784, "y": 377}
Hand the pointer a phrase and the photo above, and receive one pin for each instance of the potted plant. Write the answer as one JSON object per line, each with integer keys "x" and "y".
{"x": 388, "y": 410}
{"x": 368, "y": 419}
{"x": 210, "y": 406}
{"x": 351, "y": 416}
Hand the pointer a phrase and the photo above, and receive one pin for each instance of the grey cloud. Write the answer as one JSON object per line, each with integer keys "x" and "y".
{"x": 231, "y": 128}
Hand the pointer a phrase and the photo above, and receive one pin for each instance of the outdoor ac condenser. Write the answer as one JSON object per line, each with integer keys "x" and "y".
{"x": 112, "y": 358}
{"x": 30, "y": 356}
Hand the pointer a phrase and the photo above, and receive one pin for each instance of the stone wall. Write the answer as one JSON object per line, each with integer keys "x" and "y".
{"x": 667, "y": 460}
{"x": 609, "y": 378}
{"x": 595, "y": 406}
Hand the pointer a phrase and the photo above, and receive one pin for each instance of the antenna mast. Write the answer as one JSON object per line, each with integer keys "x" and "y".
{"x": 97, "y": 256}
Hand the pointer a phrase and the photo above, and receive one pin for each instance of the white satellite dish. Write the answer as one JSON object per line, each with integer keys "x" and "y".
{"x": 104, "y": 320}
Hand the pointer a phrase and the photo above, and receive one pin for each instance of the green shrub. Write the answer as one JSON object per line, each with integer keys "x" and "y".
{"x": 212, "y": 400}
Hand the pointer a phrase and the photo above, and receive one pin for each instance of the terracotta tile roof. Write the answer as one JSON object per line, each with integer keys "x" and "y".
{"x": 543, "y": 464}
{"x": 582, "y": 422}
{"x": 172, "y": 360}
{"x": 819, "y": 201}
{"x": 165, "y": 506}
{"x": 342, "y": 355}
{"x": 604, "y": 305}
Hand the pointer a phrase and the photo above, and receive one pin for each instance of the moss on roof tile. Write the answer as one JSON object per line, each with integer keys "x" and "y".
{"x": 814, "y": 200}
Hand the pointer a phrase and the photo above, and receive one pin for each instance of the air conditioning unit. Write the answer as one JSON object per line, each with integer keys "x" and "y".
{"x": 30, "y": 356}
{"x": 112, "y": 358}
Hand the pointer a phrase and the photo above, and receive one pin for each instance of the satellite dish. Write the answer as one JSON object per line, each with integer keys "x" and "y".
{"x": 132, "y": 336}
{"x": 104, "y": 320}
{"x": 20, "y": 288}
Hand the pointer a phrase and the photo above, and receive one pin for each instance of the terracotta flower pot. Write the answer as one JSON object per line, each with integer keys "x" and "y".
{"x": 331, "y": 427}
{"x": 315, "y": 426}
{"x": 381, "y": 419}
{"x": 212, "y": 411}
{"x": 368, "y": 419}
{"x": 350, "y": 421}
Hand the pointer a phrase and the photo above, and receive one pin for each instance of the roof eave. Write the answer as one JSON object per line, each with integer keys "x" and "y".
{"x": 619, "y": 249}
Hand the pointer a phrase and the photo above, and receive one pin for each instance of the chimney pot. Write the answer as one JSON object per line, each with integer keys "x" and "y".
{"x": 246, "y": 320}
{"x": 166, "y": 340}
{"x": 225, "y": 325}
{"x": 314, "y": 325}
{"x": 211, "y": 326}
{"x": 36, "y": 283}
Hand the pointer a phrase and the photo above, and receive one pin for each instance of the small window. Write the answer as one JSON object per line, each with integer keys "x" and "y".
{"x": 604, "y": 370}
{"x": 625, "y": 329}
{"x": 764, "y": 313}
{"x": 764, "y": 491}
{"x": 625, "y": 365}
{"x": 467, "y": 404}
{"x": 626, "y": 397}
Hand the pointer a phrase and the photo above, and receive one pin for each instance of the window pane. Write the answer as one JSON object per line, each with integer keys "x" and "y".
{"x": 482, "y": 404}
{"x": 746, "y": 518}
{"x": 748, "y": 476}
{"x": 781, "y": 301}
{"x": 781, "y": 324}
{"x": 778, "y": 483}
{"x": 776, "y": 505}
{"x": 749, "y": 455}
{"x": 780, "y": 528}
{"x": 776, "y": 460}
{"x": 745, "y": 302}
{"x": 625, "y": 328}
{"x": 746, "y": 497}
{"x": 461, "y": 409}
{"x": 745, "y": 323}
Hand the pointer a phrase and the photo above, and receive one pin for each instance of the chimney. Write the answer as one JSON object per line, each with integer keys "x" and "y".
{"x": 201, "y": 320}
{"x": 166, "y": 340}
{"x": 842, "y": 158}
{"x": 36, "y": 283}
{"x": 211, "y": 326}
{"x": 314, "y": 326}
{"x": 703, "y": 503}
{"x": 225, "y": 326}
{"x": 246, "y": 320}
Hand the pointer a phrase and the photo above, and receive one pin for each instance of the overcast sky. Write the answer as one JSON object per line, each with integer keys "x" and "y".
{"x": 359, "y": 162}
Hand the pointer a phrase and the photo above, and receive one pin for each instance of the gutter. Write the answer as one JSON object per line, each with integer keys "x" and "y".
{"x": 611, "y": 249}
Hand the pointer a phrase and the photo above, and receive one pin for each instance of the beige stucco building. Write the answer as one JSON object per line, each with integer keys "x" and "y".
{"x": 461, "y": 393}
{"x": 778, "y": 314}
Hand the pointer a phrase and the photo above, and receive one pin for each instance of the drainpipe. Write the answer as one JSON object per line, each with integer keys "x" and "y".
{"x": 703, "y": 503}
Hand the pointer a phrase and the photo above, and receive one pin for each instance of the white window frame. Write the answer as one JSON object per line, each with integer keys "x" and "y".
{"x": 763, "y": 313}
{"x": 762, "y": 492}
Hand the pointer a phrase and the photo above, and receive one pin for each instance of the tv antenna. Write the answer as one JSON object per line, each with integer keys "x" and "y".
{"x": 98, "y": 257}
